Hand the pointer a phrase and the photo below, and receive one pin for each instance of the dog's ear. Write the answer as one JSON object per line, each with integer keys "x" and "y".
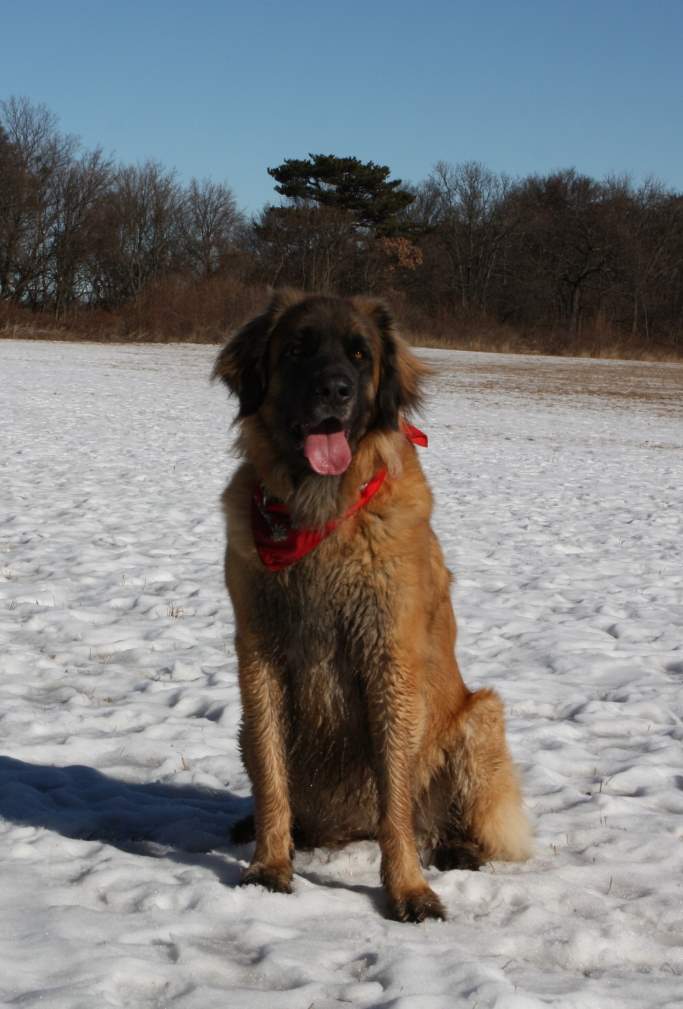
{"x": 401, "y": 373}
{"x": 243, "y": 362}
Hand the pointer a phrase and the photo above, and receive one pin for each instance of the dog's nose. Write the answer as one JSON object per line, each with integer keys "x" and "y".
{"x": 335, "y": 389}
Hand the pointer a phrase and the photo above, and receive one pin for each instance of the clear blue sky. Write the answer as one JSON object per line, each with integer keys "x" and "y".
{"x": 224, "y": 89}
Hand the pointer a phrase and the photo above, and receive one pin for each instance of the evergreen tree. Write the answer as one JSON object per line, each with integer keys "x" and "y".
{"x": 363, "y": 188}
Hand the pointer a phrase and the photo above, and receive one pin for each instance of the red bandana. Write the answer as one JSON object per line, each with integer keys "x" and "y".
{"x": 279, "y": 544}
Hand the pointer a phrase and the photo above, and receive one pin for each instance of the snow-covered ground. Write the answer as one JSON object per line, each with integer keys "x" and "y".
{"x": 559, "y": 489}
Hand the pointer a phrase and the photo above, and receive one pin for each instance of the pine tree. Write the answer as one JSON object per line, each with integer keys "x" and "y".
{"x": 363, "y": 188}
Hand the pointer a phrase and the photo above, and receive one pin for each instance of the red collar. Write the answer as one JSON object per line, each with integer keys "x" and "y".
{"x": 279, "y": 544}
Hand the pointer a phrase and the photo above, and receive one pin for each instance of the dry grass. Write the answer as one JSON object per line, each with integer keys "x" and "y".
{"x": 549, "y": 347}
{"x": 175, "y": 310}
{"x": 552, "y": 379}
{"x": 178, "y": 310}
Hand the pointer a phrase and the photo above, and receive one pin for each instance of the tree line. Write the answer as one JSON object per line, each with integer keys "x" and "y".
{"x": 559, "y": 262}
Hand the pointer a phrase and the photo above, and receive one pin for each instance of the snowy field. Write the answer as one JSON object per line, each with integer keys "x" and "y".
{"x": 559, "y": 489}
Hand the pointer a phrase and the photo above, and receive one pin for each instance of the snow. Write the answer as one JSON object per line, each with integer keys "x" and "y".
{"x": 559, "y": 489}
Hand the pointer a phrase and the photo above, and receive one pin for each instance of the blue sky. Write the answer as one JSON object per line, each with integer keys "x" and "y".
{"x": 223, "y": 90}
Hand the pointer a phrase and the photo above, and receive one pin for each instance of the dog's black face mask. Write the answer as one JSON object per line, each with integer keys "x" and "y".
{"x": 320, "y": 372}
{"x": 322, "y": 395}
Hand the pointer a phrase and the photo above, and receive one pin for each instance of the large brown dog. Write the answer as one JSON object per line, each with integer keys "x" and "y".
{"x": 356, "y": 722}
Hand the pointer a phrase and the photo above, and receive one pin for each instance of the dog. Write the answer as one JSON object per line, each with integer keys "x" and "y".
{"x": 356, "y": 721}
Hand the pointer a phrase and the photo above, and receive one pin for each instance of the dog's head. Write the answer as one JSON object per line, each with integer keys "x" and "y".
{"x": 321, "y": 373}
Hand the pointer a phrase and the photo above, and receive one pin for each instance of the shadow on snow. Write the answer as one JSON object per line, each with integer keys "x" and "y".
{"x": 184, "y": 823}
{"x": 180, "y": 822}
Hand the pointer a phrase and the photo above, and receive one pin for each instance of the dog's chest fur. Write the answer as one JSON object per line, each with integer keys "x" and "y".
{"x": 325, "y": 624}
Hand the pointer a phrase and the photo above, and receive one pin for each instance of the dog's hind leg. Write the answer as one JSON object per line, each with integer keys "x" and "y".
{"x": 485, "y": 818}
{"x": 455, "y": 847}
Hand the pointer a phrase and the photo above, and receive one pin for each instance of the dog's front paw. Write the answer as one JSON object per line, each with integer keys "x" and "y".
{"x": 276, "y": 876}
{"x": 417, "y": 905}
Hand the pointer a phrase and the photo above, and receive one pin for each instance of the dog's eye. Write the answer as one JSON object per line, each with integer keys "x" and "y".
{"x": 294, "y": 350}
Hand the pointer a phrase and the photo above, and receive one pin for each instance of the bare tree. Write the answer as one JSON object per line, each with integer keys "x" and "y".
{"x": 562, "y": 256}
{"x": 80, "y": 187}
{"x": 209, "y": 224}
{"x": 464, "y": 209}
{"x": 647, "y": 225}
{"x": 310, "y": 247}
{"x": 38, "y": 153}
{"x": 136, "y": 237}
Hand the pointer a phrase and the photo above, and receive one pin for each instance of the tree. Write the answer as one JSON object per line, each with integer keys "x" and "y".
{"x": 209, "y": 222}
{"x": 363, "y": 188}
{"x": 467, "y": 220}
{"x": 34, "y": 153}
{"x": 13, "y": 181}
{"x": 79, "y": 187}
{"x": 647, "y": 228}
{"x": 314, "y": 248}
{"x": 563, "y": 256}
{"x": 137, "y": 235}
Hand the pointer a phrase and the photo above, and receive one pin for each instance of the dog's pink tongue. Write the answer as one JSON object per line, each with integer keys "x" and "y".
{"x": 328, "y": 454}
